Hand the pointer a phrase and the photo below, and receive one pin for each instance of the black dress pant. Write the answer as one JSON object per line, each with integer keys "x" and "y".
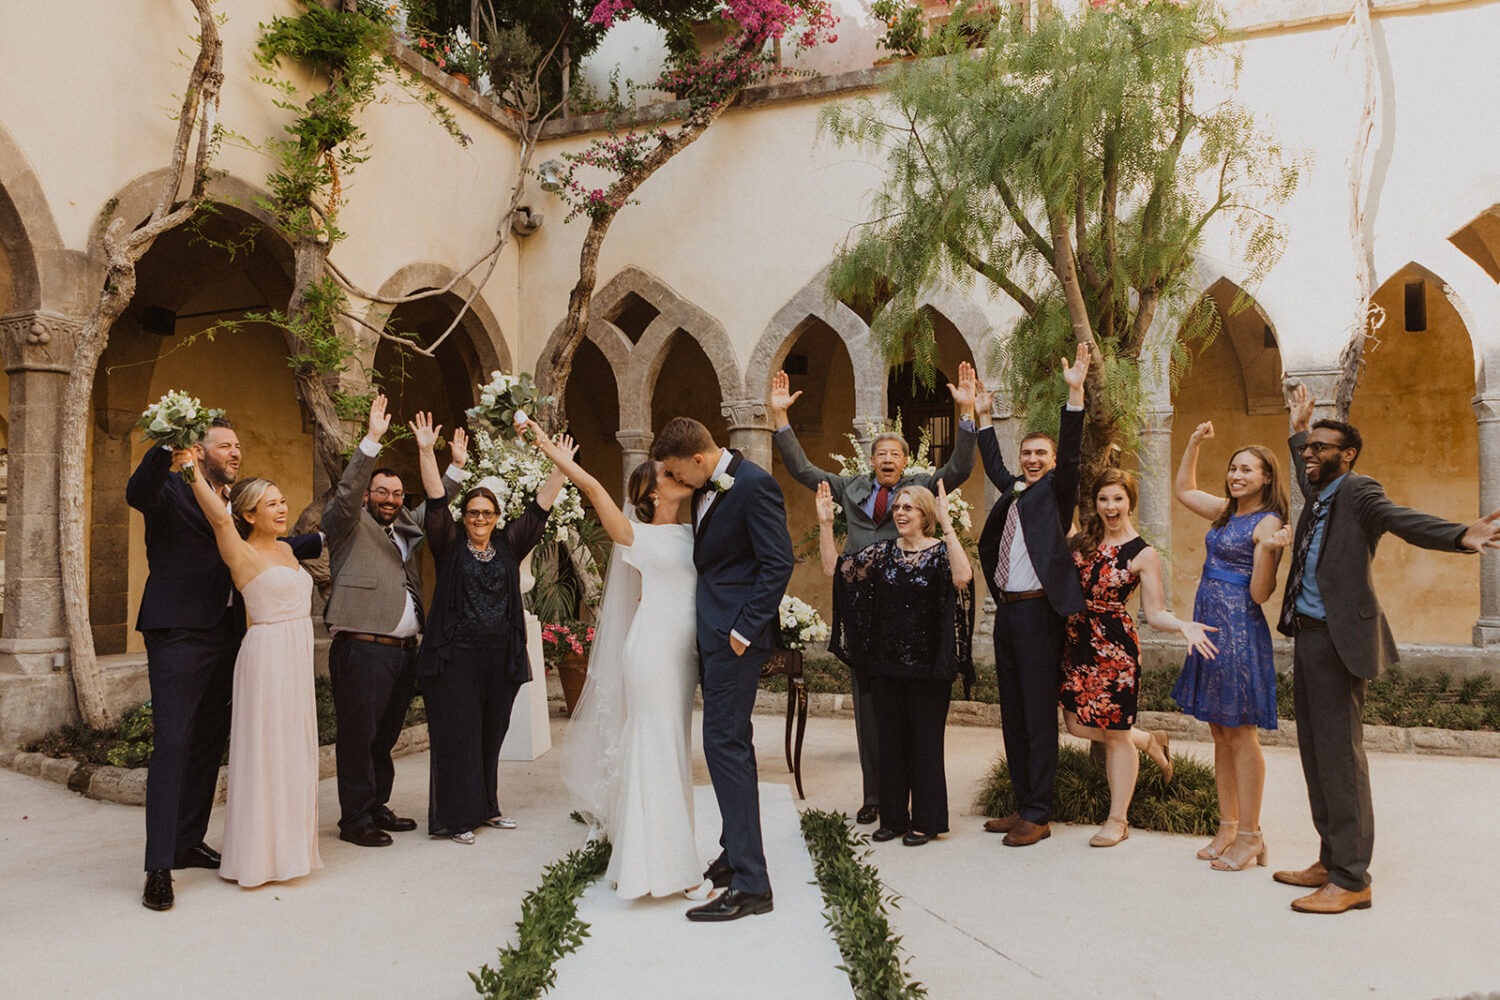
{"x": 372, "y": 689}
{"x": 1330, "y": 703}
{"x": 468, "y": 715}
{"x": 910, "y": 717}
{"x": 192, "y": 678}
{"x": 1028, "y": 671}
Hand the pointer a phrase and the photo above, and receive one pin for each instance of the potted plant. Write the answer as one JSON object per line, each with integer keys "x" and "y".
{"x": 567, "y": 646}
{"x": 467, "y": 58}
{"x": 905, "y": 27}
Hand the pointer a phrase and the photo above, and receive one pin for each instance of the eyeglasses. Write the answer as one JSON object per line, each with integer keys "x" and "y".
{"x": 480, "y": 515}
{"x": 381, "y": 493}
{"x": 903, "y": 506}
{"x": 1318, "y": 447}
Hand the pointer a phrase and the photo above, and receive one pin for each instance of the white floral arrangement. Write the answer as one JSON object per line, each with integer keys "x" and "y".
{"x": 502, "y": 397}
{"x": 857, "y": 463}
{"x": 177, "y": 420}
{"x": 800, "y": 624}
{"x": 514, "y": 473}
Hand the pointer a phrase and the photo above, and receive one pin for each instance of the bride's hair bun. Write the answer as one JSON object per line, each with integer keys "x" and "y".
{"x": 642, "y": 484}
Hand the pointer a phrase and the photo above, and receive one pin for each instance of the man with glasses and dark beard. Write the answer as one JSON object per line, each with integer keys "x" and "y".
{"x": 375, "y": 616}
{"x": 1341, "y": 641}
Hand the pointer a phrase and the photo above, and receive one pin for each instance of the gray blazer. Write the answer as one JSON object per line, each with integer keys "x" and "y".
{"x": 1360, "y": 514}
{"x": 368, "y": 589}
{"x": 851, "y": 492}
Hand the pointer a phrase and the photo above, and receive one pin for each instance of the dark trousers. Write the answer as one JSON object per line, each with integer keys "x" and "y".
{"x": 192, "y": 677}
{"x": 468, "y": 715}
{"x": 865, "y": 736}
{"x": 372, "y": 689}
{"x": 729, "y": 685}
{"x": 910, "y": 719}
{"x": 1329, "y": 702}
{"x": 1028, "y": 671}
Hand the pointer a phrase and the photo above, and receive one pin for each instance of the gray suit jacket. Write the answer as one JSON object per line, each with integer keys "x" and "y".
{"x": 368, "y": 590}
{"x": 851, "y": 492}
{"x": 1360, "y": 514}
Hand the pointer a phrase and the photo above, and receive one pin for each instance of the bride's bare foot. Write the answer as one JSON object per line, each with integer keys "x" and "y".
{"x": 703, "y": 890}
{"x": 1222, "y": 840}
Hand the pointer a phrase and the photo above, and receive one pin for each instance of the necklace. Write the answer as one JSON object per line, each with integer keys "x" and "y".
{"x": 484, "y": 555}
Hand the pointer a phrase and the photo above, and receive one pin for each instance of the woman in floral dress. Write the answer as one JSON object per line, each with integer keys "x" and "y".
{"x": 1102, "y": 659}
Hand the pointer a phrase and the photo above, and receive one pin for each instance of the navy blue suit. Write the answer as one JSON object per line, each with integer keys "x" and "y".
{"x": 743, "y": 555}
{"x": 192, "y": 619}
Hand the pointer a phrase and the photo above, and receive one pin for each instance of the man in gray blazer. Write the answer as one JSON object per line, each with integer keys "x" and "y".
{"x": 374, "y": 613}
{"x": 1342, "y": 641}
{"x": 866, "y": 501}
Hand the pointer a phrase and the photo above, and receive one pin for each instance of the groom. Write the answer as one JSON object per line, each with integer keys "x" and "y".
{"x": 743, "y": 555}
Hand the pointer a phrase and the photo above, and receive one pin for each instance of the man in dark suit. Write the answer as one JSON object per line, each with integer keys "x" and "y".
{"x": 192, "y": 619}
{"x": 866, "y": 501}
{"x": 1341, "y": 641}
{"x": 743, "y": 555}
{"x": 1024, "y": 552}
{"x": 374, "y": 613}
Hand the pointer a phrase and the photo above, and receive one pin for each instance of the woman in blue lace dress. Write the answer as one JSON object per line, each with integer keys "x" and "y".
{"x": 1235, "y": 692}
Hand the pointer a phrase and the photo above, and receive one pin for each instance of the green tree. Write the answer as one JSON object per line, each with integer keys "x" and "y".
{"x": 1069, "y": 165}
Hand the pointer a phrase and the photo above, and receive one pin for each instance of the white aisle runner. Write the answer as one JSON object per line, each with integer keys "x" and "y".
{"x": 647, "y": 948}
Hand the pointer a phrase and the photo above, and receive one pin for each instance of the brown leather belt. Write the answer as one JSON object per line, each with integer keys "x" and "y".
{"x": 1302, "y": 621}
{"x": 1012, "y": 596}
{"x": 384, "y": 640}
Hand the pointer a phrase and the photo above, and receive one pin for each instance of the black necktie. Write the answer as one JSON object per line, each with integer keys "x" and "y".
{"x": 416, "y": 598}
{"x": 1299, "y": 560}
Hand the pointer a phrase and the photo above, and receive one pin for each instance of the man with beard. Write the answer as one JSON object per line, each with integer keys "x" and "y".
{"x": 1341, "y": 641}
{"x": 375, "y": 615}
{"x": 192, "y": 619}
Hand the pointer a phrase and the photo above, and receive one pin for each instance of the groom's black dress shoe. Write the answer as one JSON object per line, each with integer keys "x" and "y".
{"x": 158, "y": 894}
{"x": 719, "y": 873}
{"x": 867, "y": 815}
{"x": 387, "y": 820}
{"x": 883, "y": 834}
{"x": 731, "y": 905}
{"x": 368, "y": 835}
{"x": 201, "y": 856}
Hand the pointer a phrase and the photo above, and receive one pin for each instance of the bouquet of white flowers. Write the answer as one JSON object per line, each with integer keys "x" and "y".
{"x": 502, "y": 397}
{"x": 515, "y": 473}
{"x": 800, "y": 624}
{"x": 178, "y": 420}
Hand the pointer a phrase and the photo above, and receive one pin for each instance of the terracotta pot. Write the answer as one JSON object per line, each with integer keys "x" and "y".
{"x": 572, "y": 670}
{"x": 462, "y": 78}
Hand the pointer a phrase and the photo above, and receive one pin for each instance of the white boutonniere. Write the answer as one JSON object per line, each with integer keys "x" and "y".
{"x": 1019, "y": 487}
{"x": 722, "y": 483}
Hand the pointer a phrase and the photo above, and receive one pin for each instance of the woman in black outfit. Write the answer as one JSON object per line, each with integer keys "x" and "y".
{"x": 907, "y": 617}
{"x": 473, "y": 659}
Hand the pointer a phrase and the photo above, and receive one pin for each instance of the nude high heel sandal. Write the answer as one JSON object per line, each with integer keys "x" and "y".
{"x": 1224, "y": 863}
{"x": 1207, "y": 852}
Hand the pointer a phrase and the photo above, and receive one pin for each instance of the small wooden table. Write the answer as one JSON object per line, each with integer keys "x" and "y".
{"x": 788, "y": 663}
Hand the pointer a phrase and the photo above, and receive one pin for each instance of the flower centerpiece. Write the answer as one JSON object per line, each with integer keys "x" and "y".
{"x": 799, "y": 623}
{"x": 177, "y": 420}
{"x": 501, "y": 397}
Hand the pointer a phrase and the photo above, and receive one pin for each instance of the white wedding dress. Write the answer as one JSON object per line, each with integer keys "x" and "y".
{"x": 628, "y": 751}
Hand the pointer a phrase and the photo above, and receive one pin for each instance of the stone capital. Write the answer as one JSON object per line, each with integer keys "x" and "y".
{"x": 38, "y": 341}
{"x": 635, "y": 440}
{"x": 747, "y": 414}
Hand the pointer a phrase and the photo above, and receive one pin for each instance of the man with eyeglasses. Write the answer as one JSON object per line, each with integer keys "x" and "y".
{"x": 374, "y": 613}
{"x": 1341, "y": 640}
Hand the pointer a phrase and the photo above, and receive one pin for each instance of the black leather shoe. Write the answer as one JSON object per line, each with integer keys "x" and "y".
{"x": 368, "y": 835}
{"x": 158, "y": 894}
{"x": 916, "y": 839}
{"x": 387, "y": 820}
{"x": 201, "y": 856}
{"x": 883, "y": 834}
{"x": 867, "y": 815}
{"x": 732, "y": 905}
{"x": 719, "y": 873}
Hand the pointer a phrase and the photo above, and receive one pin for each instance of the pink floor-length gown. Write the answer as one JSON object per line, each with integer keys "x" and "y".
{"x": 271, "y": 818}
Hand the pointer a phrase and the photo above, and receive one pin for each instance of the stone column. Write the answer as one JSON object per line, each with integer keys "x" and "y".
{"x": 1487, "y": 412}
{"x": 109, "y": 530}
{"x": 749, "y": 429}
{"x": 635, "y": 446}
{"x": 1154, "y": 519}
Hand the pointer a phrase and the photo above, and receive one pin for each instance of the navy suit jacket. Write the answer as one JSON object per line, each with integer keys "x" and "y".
{"x": 743, "y": 555}
{"x": 1046, "y": 515}
{"x": 188, "y": 585}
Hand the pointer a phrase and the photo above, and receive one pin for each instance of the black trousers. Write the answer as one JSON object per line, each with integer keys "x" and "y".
{"x": 865, "y": 737}
{"x": 1028, "y": 670}
{"x": 192, "y": 678}
{"x": 1330, "y": 702}
{"x": 468, "y": 715}
{"x": 910, "y": 718}
{"x": 729, "y": 686}
{"x": 372, "y": 689}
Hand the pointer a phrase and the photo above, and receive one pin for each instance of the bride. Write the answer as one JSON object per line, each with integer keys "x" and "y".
{"x": 627, "y": 756}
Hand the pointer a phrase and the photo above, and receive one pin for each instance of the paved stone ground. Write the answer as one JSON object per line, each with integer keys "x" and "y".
{"x": 1144, "y": 919}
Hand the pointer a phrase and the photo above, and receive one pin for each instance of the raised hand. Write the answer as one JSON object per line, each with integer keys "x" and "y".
{"x": 565, "y": 445}
{"x": 458, "y": 448}
{"x": 183, "y": 456}
{"x": 1196, "y": 633}
{"x": 1202, "y": 432}
{"x": 823, "y": 502}
{"x": 943, "y": 519}
{"x": 963, "y": 393}
{"x": 1074, "y": 374}
{"x": 1302, "y": 408}
{"x": 1282, "y": 537}
{"x": 380, "y": 420}
{"x": 782, "y": 396}
{"x": 1483, "y": 534}
{"x": 421, "y": 425}
{"x": 984, "y": 399}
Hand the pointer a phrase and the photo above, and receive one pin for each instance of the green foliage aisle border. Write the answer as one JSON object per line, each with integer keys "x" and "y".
{"x": 549, "y": 928}
{"x": 855, "y": 904}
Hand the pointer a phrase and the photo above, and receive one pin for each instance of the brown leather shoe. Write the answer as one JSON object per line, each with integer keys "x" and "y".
{"x": 1027, "y": 833}
{"x": 1004, "y": 824}
{"x": 1311, "y": 877}
{"x": 1333, "y": 899}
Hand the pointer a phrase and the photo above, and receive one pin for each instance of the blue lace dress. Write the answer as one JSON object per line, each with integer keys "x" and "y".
{"x": 1238, "y": 687}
